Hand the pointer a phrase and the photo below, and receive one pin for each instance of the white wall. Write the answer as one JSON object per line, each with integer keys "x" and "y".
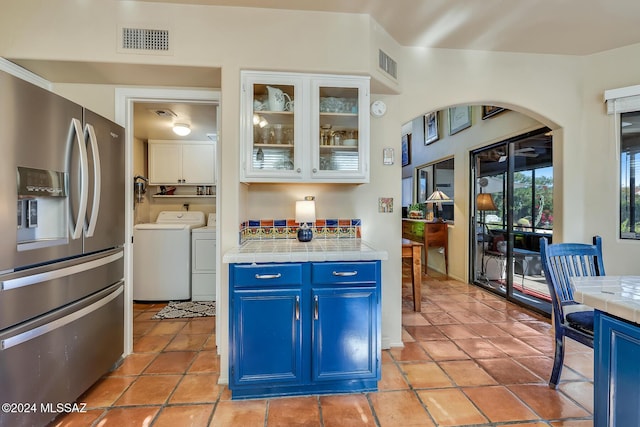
{"x": 600, "y": 150}
{"x": 562, "y": 92}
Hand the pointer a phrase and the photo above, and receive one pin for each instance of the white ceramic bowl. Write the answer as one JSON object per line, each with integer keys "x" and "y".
{"x": 350, "y": 142}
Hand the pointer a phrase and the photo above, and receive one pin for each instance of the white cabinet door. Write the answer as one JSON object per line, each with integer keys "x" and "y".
{"x": 181, "y": 163}
{"x": 198, "y": 166}
{"x": 165, "y": 163}
{"x": 272, "y": 108}
{"x": 339, "y": 124}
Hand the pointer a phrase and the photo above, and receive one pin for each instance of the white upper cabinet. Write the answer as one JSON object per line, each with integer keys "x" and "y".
{"x": 304, "y": 128}
{"x": 181, "y": 163}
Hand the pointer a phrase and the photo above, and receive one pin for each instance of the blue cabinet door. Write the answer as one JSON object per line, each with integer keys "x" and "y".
{"x": 617, "y": 372}
{"x": 345, "y": 333}
{"x": 266, "y": 337}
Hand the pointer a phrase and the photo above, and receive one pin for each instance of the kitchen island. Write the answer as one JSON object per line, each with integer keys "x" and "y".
{"x": 304, "y": 317}
{"x": 616, "y": 300}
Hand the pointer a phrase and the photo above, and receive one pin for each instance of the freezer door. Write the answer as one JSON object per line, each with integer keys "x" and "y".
{"x": 36, "y": 133}
{"x": 31, "y": 293}
{"x": 55, "y": 358}
{"x": 104, "y": 222}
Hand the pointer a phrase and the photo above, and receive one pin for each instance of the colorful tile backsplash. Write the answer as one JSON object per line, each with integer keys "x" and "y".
{"x": 288, "y": 229}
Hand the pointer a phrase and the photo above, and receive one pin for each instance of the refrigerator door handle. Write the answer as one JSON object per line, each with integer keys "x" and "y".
{"x": 57, "y": 274}
{"x": 90, "y": 133}
{"x": 58, "y": 323}
{"x": 76, "y": 135}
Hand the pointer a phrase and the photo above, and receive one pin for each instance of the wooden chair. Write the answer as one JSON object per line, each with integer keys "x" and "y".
{"x": 560, "y": 262}
{"x": 413, "y": 250}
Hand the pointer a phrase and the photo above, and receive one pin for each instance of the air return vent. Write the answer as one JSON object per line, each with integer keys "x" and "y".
{"x": 143, "y": 39}
{"x": 387, "y": 64}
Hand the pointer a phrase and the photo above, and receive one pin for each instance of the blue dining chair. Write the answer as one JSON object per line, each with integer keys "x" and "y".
{"x": 560, "y": 262}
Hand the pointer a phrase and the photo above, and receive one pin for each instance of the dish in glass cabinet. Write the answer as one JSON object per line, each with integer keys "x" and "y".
{"x": 350, "y": 142}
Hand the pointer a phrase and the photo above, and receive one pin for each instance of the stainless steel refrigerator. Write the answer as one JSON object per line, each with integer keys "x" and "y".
{"x": 62, "y": 200}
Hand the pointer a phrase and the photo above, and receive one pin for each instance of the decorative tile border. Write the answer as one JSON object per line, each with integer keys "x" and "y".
{"x": 265, "y": 229}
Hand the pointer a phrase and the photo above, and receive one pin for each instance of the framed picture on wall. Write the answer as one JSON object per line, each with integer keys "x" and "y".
{"x": 431, "y": 127}
{"x": 459, "y": 119}
{"x": 406, "y": 149}
{"x": 490, "y": 111}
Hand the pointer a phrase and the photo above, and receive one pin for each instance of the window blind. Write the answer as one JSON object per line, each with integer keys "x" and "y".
{"x": 622, "y": 100}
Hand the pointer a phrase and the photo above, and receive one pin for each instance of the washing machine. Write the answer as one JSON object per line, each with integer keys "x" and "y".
{"x": 203, "y": 261}
{"x": 162, "y": 256}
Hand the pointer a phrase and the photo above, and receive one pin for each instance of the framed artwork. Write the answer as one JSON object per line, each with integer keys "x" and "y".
{"x": 459, "y": 119}
{"x": 490, "y": 111}
{"x": 406, "y": 149}
{"x": 431, "y": 127}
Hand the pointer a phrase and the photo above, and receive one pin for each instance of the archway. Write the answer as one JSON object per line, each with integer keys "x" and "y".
{"x": 476, "y": 128}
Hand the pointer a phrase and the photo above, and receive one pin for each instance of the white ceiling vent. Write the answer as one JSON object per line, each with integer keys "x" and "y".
{"x": 144, "y": 40}
{"x": 164, "y": 112}
{"x": 387, "y": 64}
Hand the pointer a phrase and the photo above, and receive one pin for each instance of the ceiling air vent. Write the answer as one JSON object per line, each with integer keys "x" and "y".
{"x": 164, "y": 112}
{"x": 387, "y": 64}
{"x": 145, "y": 40}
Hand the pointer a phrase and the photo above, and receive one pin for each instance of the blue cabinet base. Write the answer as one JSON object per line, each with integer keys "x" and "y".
{"x": 617, "y": 372}
{"x": 304, "y": 328}
{"x": 337, "y": 387}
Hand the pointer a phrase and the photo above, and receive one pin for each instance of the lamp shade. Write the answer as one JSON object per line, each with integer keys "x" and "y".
{"x": 484, "y": 202}
{"x": 305, "y": 211}
{"x": 437, "y": 197}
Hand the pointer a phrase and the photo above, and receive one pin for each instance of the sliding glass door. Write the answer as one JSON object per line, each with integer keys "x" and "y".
{"x": 512, "y": 210}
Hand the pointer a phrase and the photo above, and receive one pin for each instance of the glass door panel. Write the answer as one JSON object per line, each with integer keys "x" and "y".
{"x": 490, "y": 218}
{"x": 339, "y": 129}
{"x": 513, "y": 210}
{"x": 273, "y": 127}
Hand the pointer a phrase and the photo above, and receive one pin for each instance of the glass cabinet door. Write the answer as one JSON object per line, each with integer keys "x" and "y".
{"x": 271, "y": 127}
{"x": 341, "y": 137}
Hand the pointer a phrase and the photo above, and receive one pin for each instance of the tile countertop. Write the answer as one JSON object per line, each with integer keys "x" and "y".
{"x": 616, "y": 295}
{"x": 291, "y": 250}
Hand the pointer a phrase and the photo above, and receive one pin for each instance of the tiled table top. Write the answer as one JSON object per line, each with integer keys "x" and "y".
{"x": 291, "y": 250}
{"x": 616, "y": 295}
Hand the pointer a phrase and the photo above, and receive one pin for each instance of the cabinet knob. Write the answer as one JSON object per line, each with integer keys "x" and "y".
{"x": 315, "y": 170}
{"x": 298, "y": 170}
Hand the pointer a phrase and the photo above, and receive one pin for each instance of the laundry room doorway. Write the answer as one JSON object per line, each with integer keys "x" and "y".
{"x": 150, "y": 114}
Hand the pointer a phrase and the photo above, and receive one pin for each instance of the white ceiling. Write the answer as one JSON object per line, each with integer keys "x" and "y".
{"x": 149, "y": 125}
{"x": 570, "y": 27}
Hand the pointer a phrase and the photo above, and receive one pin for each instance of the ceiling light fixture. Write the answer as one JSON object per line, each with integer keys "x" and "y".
{"x": 181, "y": 129}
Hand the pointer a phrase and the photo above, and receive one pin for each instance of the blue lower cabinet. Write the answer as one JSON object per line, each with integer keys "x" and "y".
{"x": 271, "y": 320}
{"x": 344, "y": 340}
{"x": 321, "y": 335}
{"x": 617, "y": 371}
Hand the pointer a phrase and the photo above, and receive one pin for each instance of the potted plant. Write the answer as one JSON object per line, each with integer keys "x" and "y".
{"x": 415, "y": 211}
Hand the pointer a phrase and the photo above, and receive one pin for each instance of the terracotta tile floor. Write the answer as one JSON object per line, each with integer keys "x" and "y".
{"x": 470, "y": 358}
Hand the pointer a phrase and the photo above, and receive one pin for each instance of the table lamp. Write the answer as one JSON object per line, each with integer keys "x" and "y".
{"x": 305, "y": 216}
{"x": 437, "y": 197}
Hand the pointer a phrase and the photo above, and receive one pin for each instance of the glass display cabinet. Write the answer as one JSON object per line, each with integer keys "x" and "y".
{"x": 305, "y": 128}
